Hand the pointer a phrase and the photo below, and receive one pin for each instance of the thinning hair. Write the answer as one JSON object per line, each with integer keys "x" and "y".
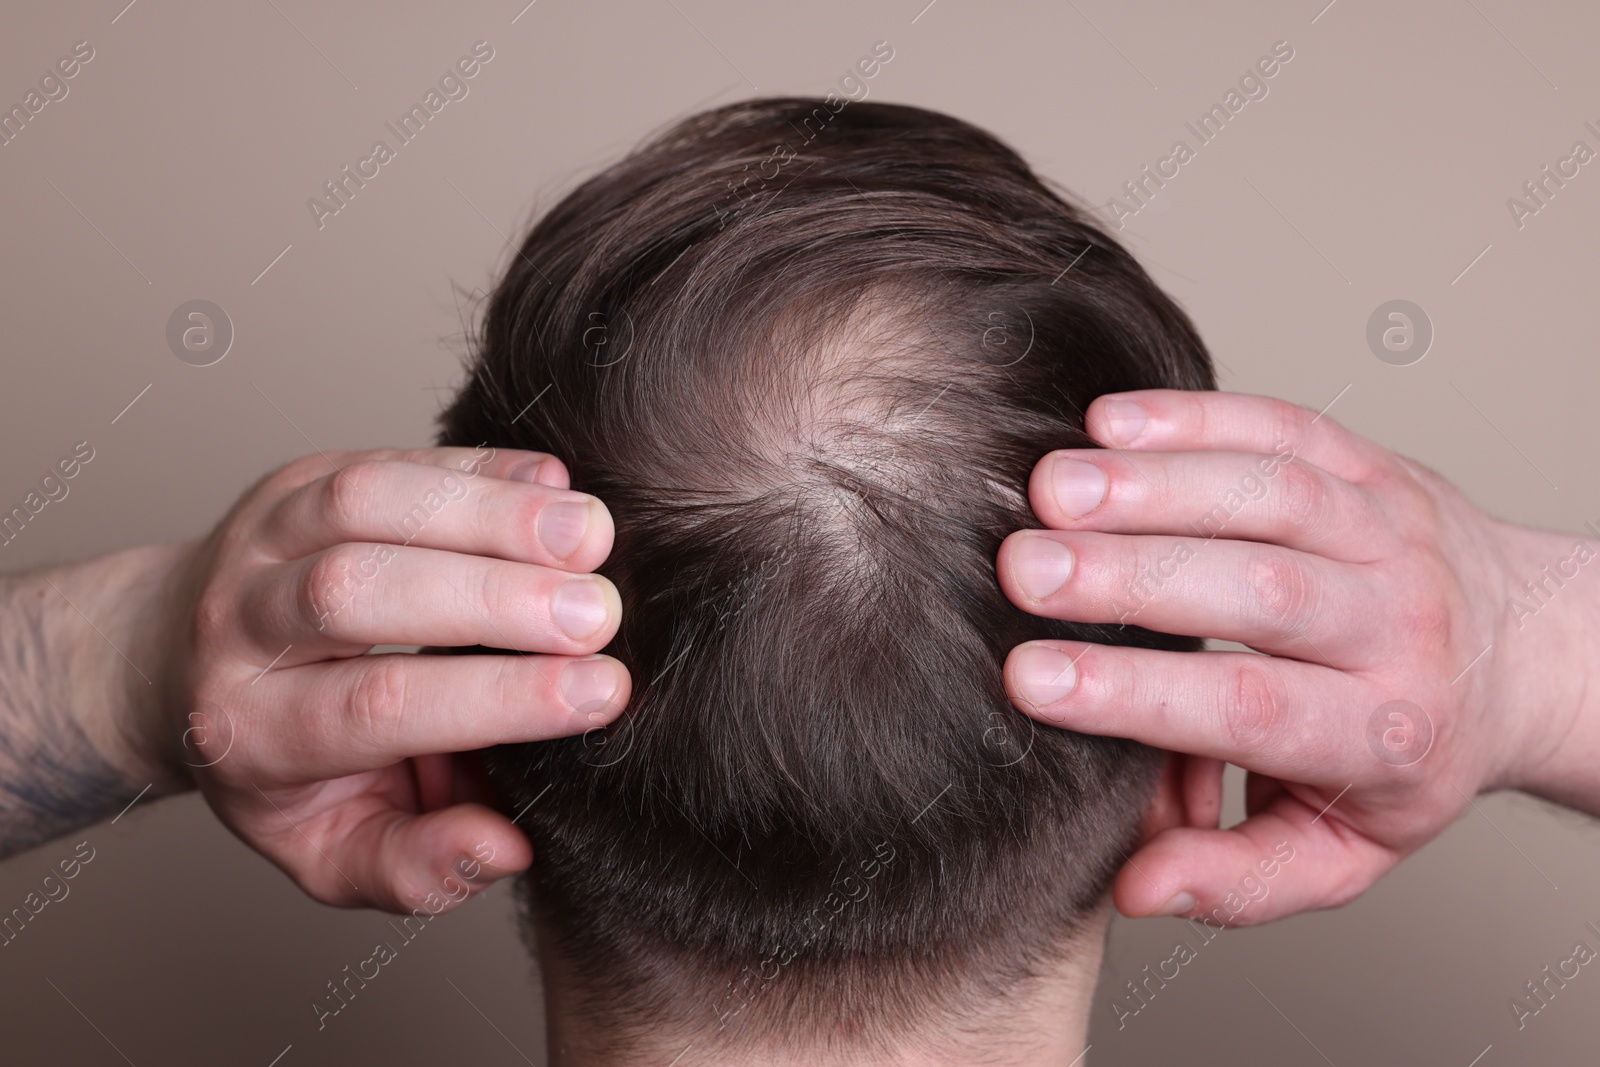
{"x": 809, "y": 376}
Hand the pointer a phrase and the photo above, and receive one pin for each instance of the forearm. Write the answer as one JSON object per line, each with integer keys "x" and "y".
{"x": 80, "y": 700}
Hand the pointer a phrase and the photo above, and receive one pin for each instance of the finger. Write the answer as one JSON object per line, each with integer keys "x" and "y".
{"x": 513, "y": 464}
{"x": 1188, "y": 792}
{"x": 435, "y": 775}
{"x": 1279, "y": 717}
{"x": 360, "y": 595}
{"x": 407, "y": 503}
{"x": 1202, "y": 791}
{"x": 1239, "y": 496}
{"x": 1175, "y": 420}
{"x": 367, "y": 712}
{"x": 1278, "y": 863}
{"x": 447, "y": 778}
{"x": 470, "y": 783}
{"x": 1260, "y": 791}
{"x": 418, "y": 864}
{"x": 507, "y": 463}
{"x": 1270, "y": 598}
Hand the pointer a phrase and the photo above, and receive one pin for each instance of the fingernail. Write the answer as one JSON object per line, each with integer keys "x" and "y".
{"x": 544, "y": 471}
{"x": 589, "y": 684}
{"x": 526, "y": 472}
{"x": 579, "y": 608}
{"x": 1125, "y": 419}
{"x": 562, "y": 526}
{"x": 1078, "y": 486}
{"x": 1181, "y": 904}
{"x": 1041, "y": 565}
{"x": 1044, "y": 675}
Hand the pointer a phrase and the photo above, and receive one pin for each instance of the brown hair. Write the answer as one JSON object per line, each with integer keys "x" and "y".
{"x": 809, "y": 372}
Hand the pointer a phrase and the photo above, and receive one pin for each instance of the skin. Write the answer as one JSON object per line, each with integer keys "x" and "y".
{"x": 238, "y": 665}
{"x": 1362, "y": 578}
{"x": 1045, "y": 1022}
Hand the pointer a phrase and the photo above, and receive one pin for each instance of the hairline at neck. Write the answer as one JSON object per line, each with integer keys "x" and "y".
{"x": 1048, "y": 1025}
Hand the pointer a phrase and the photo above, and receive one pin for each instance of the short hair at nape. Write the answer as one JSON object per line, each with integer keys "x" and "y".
{"x": 810, "y": 378}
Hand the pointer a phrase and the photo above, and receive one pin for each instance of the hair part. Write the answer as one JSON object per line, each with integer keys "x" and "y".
{"x": 813, "y": 420}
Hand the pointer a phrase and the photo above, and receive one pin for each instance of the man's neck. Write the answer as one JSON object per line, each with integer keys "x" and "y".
{"x": 1045, "y": 1025}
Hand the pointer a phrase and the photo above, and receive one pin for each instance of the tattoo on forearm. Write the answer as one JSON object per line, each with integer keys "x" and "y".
{"x": 52, "y": 778}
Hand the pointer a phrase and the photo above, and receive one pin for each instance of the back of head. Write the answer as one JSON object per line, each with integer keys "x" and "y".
{"x": 808, "y": 359}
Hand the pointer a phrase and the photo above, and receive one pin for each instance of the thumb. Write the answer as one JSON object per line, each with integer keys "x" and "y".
{"x": 401, "y": 862}
{"x": 1278, "y": 862}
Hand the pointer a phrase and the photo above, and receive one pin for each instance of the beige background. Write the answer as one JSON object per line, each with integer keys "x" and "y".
{"x": 179, "y": 165}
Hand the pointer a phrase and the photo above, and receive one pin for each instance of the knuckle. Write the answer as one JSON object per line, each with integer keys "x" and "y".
{"x": 328, "y": 584}
{"x": 213, "y": 616}
{"x": 298, "y": 472}
{"x": 1193, "y": 409}
{"x": 1369, "y": 514}
{"x": 376, "y": 704}
{"x": 1415, "y": 497}
{"x": 484, "y": 458}
{"x": 1282, "y": 588}
{"x": 1302, "y": 497}
{"x": 239, "y": 535}
{"x": 348, "y": 496}
{"x": 1290, "y": 422}
{"x": 513, "y": 679}
{"x": 1255, "y": 708}
{"x": 498, "y": 595}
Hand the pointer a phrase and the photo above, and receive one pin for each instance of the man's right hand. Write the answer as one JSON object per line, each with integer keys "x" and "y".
{"x": 335, "y": 764}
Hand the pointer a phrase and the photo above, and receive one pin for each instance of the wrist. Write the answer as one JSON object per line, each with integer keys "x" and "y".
{"x": 121, "y": 693}
{"x": 1546, "y": 650}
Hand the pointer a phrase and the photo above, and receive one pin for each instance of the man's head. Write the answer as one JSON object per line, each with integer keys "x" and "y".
{"x": 807, "y": 359}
